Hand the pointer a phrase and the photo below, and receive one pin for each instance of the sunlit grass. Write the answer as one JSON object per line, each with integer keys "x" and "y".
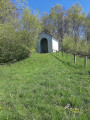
{"x": 40, "y": 87}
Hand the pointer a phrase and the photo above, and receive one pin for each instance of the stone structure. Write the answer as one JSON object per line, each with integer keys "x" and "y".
{"x": 46, "y": 43}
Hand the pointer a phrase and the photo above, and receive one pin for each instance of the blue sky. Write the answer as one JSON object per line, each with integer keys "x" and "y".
{"x": 45, "y": 5}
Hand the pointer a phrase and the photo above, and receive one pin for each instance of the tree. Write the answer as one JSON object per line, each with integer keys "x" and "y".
{"x": 75, "y": 21}
{"x": 11, "y": 48}
{"x": 17, "y": 35}
{"x": 54, "y": 22}
{"x": 60, "y": 12}
{"x": 49, "y": 23}
{"x": 68, "y": 44}
{"x": 8, "y": 12}
{"x": 87, "y": 28}
{"x": 30, "y": 28}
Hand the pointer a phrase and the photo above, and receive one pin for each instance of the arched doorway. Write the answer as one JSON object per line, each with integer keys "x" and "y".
{"x": 44, "y": 45}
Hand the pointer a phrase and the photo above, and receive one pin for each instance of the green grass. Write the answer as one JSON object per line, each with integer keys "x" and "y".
{"x": 40, "y": 87}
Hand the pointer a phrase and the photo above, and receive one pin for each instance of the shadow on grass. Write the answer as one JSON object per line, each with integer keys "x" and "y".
{"x": 66, "y": 63}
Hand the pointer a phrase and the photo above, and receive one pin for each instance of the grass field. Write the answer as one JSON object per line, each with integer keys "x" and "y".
{"x": 40, "y": 87}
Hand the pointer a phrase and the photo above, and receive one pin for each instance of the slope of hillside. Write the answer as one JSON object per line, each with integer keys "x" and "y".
{"x": 40, "y": 87}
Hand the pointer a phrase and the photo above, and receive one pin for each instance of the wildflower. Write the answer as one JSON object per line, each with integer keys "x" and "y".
{"x": 71, "y": 109}
{"x": 0, "y": 108}
{"x": 75, "y": 111}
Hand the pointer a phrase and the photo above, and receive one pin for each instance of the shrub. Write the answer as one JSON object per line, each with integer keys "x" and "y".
{"x": 81, "y": 47}
{"x": 11, "y": 48}
{"x": 68, "y": 44}
{"x": 12, "y": 52}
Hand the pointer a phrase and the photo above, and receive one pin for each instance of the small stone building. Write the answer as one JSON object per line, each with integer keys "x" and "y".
{"x": 46, "y": 43}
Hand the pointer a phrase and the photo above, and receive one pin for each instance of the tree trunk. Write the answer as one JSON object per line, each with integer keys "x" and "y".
{"x": 66, "y": 55}
{"x": 62, "y": 53}
{"x": 56, "y": 52}
{"x": 59, "y": 53}
{"x": 74, "y": 57}
{"x": 85, "y": 60}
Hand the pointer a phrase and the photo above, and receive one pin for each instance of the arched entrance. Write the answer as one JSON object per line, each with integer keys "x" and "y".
{"x": 44, "y": 45}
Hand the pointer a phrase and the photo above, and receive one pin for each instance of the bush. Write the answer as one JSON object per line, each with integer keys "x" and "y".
{"x": 12, "y": 52}
{"x": 68, "y": 44}
{"x": 81, "y": 47}
{"x": 11, "y": 48}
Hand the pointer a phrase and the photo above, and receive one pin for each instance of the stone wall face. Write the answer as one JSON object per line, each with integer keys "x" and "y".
{"x": 50, "y": 40}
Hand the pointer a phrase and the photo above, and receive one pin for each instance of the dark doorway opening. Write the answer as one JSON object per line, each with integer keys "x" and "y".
{"x": 44, "y": 45}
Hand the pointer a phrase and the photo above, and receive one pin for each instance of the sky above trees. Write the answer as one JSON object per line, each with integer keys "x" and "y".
{"x": 45, "y": 5}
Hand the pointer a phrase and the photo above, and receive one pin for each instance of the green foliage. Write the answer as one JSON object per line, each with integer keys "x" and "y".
{"x": 54, "y": 22}
{"x": 13, "y": 52}
{"x": 81, "y": 47}
{"x": 8, "y": 12}
{"x": 87, "y": 27}
{"x": 11, "y": 49}
{"x": 68, "y": 44}
{"x": 17, "y": 35}
{"x": 31, "y": 27}
{"x": 88, "y": 47}
{"x": 76, "y": 17}
{"x": 72, "y": 22}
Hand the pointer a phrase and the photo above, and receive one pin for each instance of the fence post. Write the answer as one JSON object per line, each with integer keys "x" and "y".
{"x": 66, "y": 55}
{"x": 56, "y": 52}
{"x": 85, "y": 60}
{"x": 74, "y": 57}
{"x": 62, "y": 53}
{"x": 59, "y": 53}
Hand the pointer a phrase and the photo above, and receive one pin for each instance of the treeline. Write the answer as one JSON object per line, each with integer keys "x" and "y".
{"x": 20, "y": 27}
{"x": 19, "y": 30}
{"x": 71, "y": 27}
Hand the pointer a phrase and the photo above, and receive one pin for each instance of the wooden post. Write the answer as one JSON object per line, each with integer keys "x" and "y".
{"x": 85, "y": 60}
{"x": 66, "y": 55}
{"x": 59, "y": 53}
{"x": 74, "y": 57}
{"x": 62, "y": 53}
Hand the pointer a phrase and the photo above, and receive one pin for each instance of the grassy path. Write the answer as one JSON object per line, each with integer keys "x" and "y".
{"x": 40, "y": 87}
